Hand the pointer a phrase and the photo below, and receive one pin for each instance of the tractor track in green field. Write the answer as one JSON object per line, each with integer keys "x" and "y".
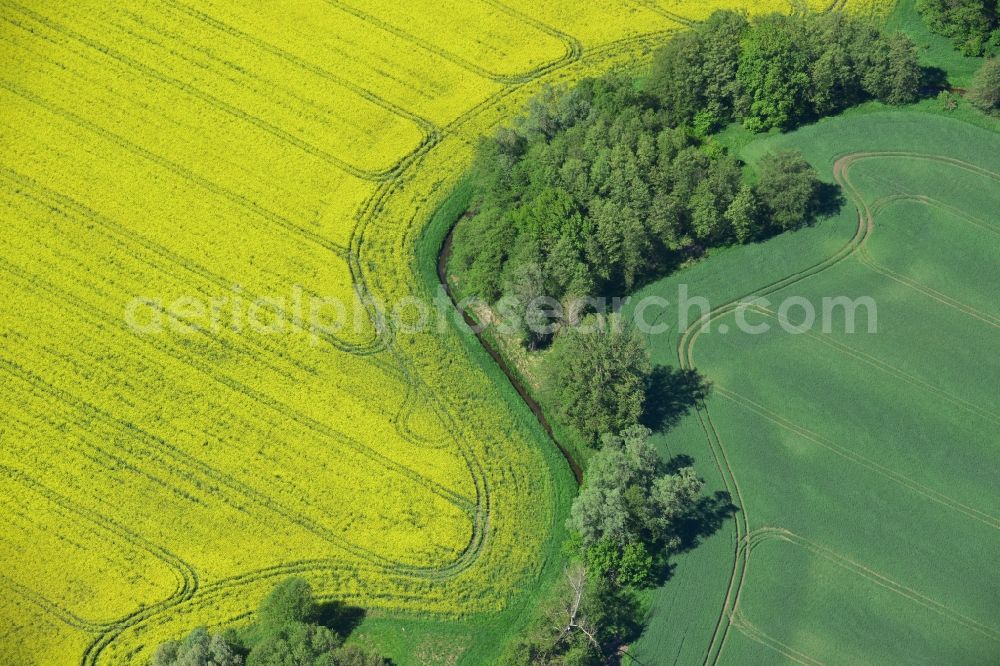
{"x": 887, "y": 368}
{"x": 855, "y": 247}
{"x": 878, "y": 468}
{"x": 763, "y": 535}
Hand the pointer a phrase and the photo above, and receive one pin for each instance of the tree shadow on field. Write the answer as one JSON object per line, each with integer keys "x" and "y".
{"x": 672, "y": 393}
{"x": 704, "y": 519}
{"x": 828, "y": 200}
{"x": 934, "y": 80}
{"x": 339, "y": 617}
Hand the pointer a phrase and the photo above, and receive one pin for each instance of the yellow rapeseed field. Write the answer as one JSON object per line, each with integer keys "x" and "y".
{"x": 176, "y": 179}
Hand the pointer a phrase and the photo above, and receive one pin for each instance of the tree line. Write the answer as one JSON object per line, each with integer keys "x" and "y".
{"x": 635, "y": 509}
{"x": 779, "y": 71}
{"x": 605, "y": 185}
{"x": 629, "y": 518}
{"x": 608, "y": 184}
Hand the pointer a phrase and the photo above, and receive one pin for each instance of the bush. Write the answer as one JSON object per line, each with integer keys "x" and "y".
{"x": 295, "y": 644}
{"x": 352, "y": 655}
{"x": 199, "y": 648}
{"x": 985, "y": 91}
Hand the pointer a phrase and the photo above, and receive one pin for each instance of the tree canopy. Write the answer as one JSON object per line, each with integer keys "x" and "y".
{"x": 972, "y": 25}
{"x": 296, "y": 644}
{"x": 584, "y": 624}
{"x": 779, "y": 71}
{"x": 285, "y": 632}
{"x": 592, "y": 192}
{"x": 603, "y": 186}
{"x": 630, "y": 505}
{"x": 787, "y": 187}
{"x": 199, "y": 648}
{"x": 985, "y": 91}
{"x": 600, "y": 371}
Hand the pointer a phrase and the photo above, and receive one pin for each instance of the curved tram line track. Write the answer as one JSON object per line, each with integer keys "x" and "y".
{"x": 730, "y": 614}
{"x": 107, "y": 635}
{"x": 762, "y": 535}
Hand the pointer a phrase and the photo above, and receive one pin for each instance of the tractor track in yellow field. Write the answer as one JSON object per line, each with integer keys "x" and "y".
{"x": 107, "y": 635}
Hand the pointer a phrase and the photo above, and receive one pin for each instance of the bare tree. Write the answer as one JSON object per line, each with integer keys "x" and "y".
{"x": 569, "y": 617}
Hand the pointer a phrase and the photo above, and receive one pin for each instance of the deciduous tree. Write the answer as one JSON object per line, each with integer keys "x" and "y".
{"x": 985, "y": 91}
{"x": 630, "y": 504}
{"x": 787, "y": 186}
{"x": 199, "y": 648}
{"x": 600, "y": 370}
{"x": 972, "y": 25}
